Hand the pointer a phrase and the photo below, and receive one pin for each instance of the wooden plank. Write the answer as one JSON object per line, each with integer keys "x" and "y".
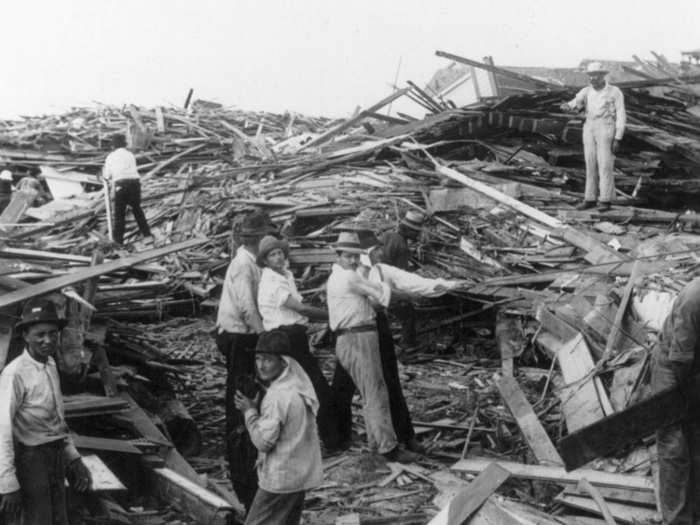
{"x": 13, "y": 213}
{"x": 106, "y": 444}
{"x": 468, "y": 501}
{"x": 499, "y": 70}
{"x": 558, "y": 475}
{"x": 631, "y": 497}
{"x": 354, "y": 120}
{"x": 634, "y": 423}
{"x": 584, "y": 484}
{"x": 615, "y": 330}
{"x": 188, "y": 497}
{"x": 103, "y": 479}
{"x": 7, "y": 323}
{"x": 621, "y": 512}
{"x": 527, "y": 420}
{"x": 51, "y": 285}
{"x": 595, "y": 250}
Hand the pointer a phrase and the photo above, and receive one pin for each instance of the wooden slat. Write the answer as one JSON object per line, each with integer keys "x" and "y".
{"x": 103, "y": 479}
{"x": 106, "y": 444}
{"x": 51, "y": 285}
{"x": 532, "y": 429}
{"x": 558, "y": 475}
{"x": 621, "y": 512}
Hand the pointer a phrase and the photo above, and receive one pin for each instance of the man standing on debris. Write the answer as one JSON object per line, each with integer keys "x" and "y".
{"x": 602, "y": 133}
{"x": 36, "y": 450}
{"x": 676, "y": 358}
{"x": 353, "y": 319}
{"x": 120, "y": 170}
{"x": 238, "y": 324}
{"x": 284, "y": 431}
{"x": 395, "y": 252}
{"x": 281, "y": 307}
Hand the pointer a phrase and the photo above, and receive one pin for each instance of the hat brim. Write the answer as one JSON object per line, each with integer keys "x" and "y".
{"x": 411, "y": 225}
{"x": 598, "y": 72}
{"x": 348, "y": 249}
{"x": 22, "y": 325}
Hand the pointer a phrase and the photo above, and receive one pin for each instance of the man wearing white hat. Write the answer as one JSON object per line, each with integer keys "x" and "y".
{"x": 353, "y": 319}
{"x": 5, "y": 189}
{"x": 602, "y": 133}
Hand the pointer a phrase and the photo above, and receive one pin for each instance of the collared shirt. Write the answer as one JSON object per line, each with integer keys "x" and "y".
{"x": 607, "y": 104}
{"x": 238, "y": 308}
{"x": 680, "y": 334}
{"x": 120, "y": 165}
{"x": 408, "y": 282}
{"x": 31, "y": 412}
{"x": 350, "y": 298}
{"x": 273, "y": 292}
{"x": 285, "y": 433}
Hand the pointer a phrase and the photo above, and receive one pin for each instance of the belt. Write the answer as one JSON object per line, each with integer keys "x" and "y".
{"x": 357, "y": 329}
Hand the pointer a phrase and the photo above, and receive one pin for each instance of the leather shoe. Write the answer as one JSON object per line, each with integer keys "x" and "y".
{"x": 603, "y": 206}
{"x": 585, "y": 205}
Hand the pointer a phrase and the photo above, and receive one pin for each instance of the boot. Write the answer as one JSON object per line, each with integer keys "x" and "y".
{"x": 585, "y": 205}
{"x": 399, "y": 455}
{"x": 603, "y": 206}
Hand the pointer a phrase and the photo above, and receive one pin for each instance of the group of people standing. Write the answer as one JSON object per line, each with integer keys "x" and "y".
{"x": 262, "y": 331}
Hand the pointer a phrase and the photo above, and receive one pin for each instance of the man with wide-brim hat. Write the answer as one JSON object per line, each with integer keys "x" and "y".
{"x": 284, "y": 431}
{"x": 282, "y": 308}
{"x": 353, "y": 319}
{"x": 238, "y": 324}
{"x": 602, "y": 133}
{"x": 36, "y": 450}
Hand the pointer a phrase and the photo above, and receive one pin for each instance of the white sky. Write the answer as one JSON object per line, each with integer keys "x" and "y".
{"x": 318, "y": 57}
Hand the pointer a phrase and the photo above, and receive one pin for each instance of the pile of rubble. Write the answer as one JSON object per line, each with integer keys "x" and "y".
{"x": 552, "y": 334}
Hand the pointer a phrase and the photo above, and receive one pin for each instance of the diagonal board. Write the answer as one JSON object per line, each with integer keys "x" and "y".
{"x": 468, "y": 501}
{"x": 527, "y": 420}
{"x": 51, "y": 285}
{"x": 596, "y": 251}
{"x": 558, "y": 475}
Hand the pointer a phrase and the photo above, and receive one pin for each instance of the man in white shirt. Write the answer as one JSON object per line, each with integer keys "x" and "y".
{"x": 353, "y": 319}
{"x": 602, "y": 133}
{"x": 120, "y": 170}
{"x": 238, "y": 324}
{"x": 36, "y": 450}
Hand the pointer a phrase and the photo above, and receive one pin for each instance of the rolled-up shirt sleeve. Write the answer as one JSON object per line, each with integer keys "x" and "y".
{"x": 411, "y": 283}
{"x": 579, "y": 101}
{"x": 264, "y": 427}
{"x": 379, "y": 293}
{"x": 620, "y": 115}
{"x": 11, "y": 395}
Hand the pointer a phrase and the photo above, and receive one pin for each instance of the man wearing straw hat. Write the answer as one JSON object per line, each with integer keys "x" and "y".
{"x": 238, "y": 324}
{"x": 36, "y": 450}
{"x": 602, "y": 133}
{"x": 353, "y": 319}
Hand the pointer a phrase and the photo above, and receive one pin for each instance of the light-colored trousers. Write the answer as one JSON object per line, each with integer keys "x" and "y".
{"x": 598, "y": 135}
{"x": 358, "y": 354}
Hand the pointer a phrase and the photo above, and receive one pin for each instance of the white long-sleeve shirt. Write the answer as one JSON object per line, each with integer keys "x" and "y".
{"x": 407, "y": 282}
{"x": 238, "y": 308}
{"x": 31, "y": 412}
{"x": 607, "y": 104}
{"x": 350, "y": 298}
{"x": 273, "y": 291}
{"x": 120, "y": 165}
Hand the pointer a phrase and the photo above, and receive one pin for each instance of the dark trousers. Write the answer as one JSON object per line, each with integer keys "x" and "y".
{"x": 41, "y": 472}
{"x": 678, "y": 449}
{"x": 242, "y": 454}
{"x": 276, "y": 509}
{"x": 406, "y": 313}
{"x": 128, "y": 192}
{"x": 344, "y": 389}
{"x": 326, "y": 419}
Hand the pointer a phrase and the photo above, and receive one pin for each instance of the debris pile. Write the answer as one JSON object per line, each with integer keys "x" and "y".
{"x": 551, "y": 333}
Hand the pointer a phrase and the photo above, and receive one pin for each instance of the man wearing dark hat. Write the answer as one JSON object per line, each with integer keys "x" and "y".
{"x": 394, "y": 251}
{"x": 353, "y": 319}
{"x": 238, "y": 324}
{"x": 120, "y": 170}
{"x": 602, "y": 133}
{"x": 284, "y": 431}
{"x": 36, "y": 450}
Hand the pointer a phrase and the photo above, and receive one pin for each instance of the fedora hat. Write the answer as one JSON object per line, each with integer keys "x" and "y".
{"x": 596, "y": 68}
{"x": 273, "y": 342}
{"x": 257, "y": 223}
{"x": 365, "y": 232}
{"x": 39, "y": 312}
{"x": 348, "y": 242}
{"x": 413, "y": 219}
{"x": 268, "y": 244}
